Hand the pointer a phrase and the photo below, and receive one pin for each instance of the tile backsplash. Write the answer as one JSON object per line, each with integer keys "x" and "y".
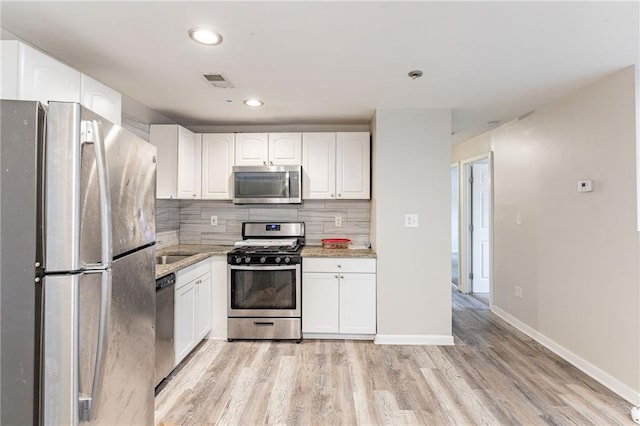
{"x": 192, "y": 219}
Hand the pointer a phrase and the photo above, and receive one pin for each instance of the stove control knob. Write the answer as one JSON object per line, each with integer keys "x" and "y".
{"x": 263, "y": 259}
{"x": 247, "y": 259}
{"x": 287, "y": 260}
{"x": 278, "y": 260}
{"x": 238, "y": 259}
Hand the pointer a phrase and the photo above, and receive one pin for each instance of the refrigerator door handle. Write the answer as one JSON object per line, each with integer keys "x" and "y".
{"x": 87, "y": 403}
{"x": 104, "y": 190}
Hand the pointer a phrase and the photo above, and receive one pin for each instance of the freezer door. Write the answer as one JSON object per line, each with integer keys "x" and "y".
{"x": 21, "y": 137}
{"x": 119, "y": 379}
{"x": 77, "y": 140}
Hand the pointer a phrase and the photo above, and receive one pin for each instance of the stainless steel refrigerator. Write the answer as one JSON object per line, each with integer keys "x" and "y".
{"x": 77, "y": 276}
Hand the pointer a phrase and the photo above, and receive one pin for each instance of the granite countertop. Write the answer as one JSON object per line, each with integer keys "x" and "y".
{"x": 318, "y": 251}
{"x": 196, "y": 253}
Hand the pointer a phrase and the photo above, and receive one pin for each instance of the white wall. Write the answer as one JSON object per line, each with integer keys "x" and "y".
{"x": 576, "y": 255}
{"x": 411, "y": 173}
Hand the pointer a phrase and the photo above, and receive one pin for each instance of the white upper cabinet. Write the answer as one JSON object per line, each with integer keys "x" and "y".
{"x": 189, "y": 164}
{"x": 101, "y": 99}
{"x": 178, "y": 161}
{"x": 285, "y": 149}
{"x": 268, "y": 149}
{"x": 217, "y": 165}
{"x": 336, "y": 165}
{"x": 252, "y": 149}
{"x": 319, "y": 165}
{"x": 353, "y": 165}
{"x": 29, "y": 74}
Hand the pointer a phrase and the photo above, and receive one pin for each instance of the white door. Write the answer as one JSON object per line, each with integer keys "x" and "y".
{"x": 357, "y": 303}
{"x": 285, "y": 149}
{"x": 202, "y": 307}
{"x": 353, "y": 165}
{"x": 101, "y": 99}
{"x": 184, "y": 319}
{"x": 188, "y": 164}
{"x": 480, "y": 221}
{"x": 320, "y": 303}
{"x": 319, "y": 166}
{"x": 217, "y": 165}
{"x": 251, "y": 149}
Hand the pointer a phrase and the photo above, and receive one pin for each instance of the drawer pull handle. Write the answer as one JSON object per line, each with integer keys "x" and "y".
{"x": 263, "y": 323}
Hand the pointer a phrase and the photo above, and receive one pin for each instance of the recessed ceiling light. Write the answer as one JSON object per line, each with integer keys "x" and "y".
{"x": 204, "y": 36}
{"x": 253, "y": 102}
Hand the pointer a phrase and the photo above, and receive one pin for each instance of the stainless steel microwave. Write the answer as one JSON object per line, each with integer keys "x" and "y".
{"x": 267, "y": 184}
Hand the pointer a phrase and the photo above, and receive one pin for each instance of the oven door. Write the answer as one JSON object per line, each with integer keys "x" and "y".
{"x": 264, "y": 291}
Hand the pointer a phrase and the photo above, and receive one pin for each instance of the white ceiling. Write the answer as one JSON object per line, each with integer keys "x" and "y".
{"x": 337, "y": 62}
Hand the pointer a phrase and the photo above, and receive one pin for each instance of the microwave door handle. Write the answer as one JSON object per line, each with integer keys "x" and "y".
{"x": 288, "y": 185}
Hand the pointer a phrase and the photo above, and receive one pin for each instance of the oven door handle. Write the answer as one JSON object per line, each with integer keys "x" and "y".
{"x": 263, "y": 268}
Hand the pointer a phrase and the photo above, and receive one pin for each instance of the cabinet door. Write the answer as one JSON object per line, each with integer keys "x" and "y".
{"x": 353, "y": 165}
{"x": 188, "y": 164}
{"x": 318, "y": 165}
{"x": 165, "y": 138}
{"x": 203, "y": 307}
{"x": 184, "y": 321}
{"x": 358, "y": 303}
{"x": 42, "y": 78}
{"x": 101, "y": 99}
{"x": 320, "y": 302}
{"x": 285, "y": 149}
{"x": 252, "y": 149}
{"x": 217, "y": 165}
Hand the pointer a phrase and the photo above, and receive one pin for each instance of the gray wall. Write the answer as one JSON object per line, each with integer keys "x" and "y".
{"x": 411, "y": 174}
{"x": 575, "y": 255}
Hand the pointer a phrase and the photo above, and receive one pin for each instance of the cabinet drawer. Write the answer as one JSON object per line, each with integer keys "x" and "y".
{"x": 190, "y": 273}
{"x": 336, "y": 264}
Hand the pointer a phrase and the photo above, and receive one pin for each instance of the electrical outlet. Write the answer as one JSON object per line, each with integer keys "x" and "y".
{"x": 338, "y": 221}
{"x": 519, "y": 218}
{"x": 214, "y": 220}
{"x": 519, "y": 292}
{"x": 411, "y": 220}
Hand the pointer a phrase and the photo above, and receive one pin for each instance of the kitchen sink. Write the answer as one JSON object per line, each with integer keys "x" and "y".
{"x": 167, "y": 259}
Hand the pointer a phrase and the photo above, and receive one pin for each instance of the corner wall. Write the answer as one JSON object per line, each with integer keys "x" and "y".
{"x": 575, "y": 255}
{"x": 411, "y": 174}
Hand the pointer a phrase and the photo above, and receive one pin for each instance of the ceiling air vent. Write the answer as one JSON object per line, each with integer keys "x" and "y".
{"x": 218, "y": 80}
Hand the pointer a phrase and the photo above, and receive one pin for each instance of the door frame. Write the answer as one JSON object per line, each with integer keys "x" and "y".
{"x": 457, "y": 165}
{"x": 465, "y": 257}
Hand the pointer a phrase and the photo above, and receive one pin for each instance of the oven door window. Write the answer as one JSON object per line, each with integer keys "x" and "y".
{"x": 263, "y": 289}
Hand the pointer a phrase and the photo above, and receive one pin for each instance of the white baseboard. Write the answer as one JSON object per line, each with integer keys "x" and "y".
{"x": 596, "y": 373}
{"x": 413, "y": 339}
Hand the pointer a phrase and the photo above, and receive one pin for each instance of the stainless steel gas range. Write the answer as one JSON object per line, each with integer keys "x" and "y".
{"x": 264, "y": 282}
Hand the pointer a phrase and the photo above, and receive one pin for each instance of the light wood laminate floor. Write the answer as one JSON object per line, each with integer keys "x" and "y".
{"x": 493, "y": 375}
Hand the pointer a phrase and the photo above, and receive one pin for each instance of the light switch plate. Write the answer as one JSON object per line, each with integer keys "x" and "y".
{"x": 585, "y": 185}
{"x": 411, "y": 220}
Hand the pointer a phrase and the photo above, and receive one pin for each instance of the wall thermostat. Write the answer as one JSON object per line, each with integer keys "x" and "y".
{"x": 585, "y": 185}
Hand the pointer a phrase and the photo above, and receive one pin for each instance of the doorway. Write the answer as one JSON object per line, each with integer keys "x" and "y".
{"x": 476, "y": 227}
{"x": 455, "y": 224}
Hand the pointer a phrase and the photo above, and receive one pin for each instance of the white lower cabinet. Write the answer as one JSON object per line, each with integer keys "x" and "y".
{"x": 192, "y": 314}
{"x": 338, "y": 297}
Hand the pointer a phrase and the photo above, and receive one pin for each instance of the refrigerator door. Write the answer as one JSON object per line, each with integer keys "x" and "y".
{"x": 123, "y": 390}
{"x": 21, "y": 142}
{"x": 85, "y": 152}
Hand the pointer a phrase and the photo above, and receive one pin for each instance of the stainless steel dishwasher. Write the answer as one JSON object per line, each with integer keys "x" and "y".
{"x": 165, "y": 356}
